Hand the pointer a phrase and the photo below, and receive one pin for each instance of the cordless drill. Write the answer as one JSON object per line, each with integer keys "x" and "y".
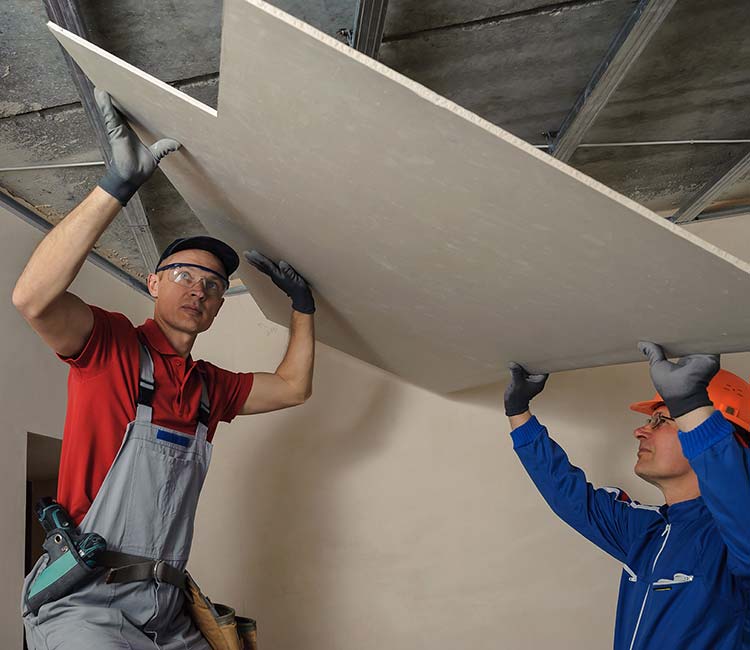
{"x": 72, "y": 556}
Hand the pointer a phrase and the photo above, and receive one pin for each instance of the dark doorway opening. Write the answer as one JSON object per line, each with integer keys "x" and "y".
{"x": 42, "y": 467}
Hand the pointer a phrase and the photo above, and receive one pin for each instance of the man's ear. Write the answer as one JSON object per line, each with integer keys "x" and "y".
{"x": 153, "y": 285}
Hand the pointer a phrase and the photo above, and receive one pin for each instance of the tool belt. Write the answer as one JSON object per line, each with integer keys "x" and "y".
{"x": 218, "y": 624}
{"x": 124, "y": 567}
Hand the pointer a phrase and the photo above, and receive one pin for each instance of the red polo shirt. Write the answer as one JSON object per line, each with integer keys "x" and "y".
{"x": 102, "y": 394}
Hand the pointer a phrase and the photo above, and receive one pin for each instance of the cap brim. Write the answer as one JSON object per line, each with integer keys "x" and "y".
{"x": 647, "y": 408}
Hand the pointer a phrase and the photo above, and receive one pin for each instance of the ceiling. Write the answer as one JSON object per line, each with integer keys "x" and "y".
{"x": 518, "y": 63}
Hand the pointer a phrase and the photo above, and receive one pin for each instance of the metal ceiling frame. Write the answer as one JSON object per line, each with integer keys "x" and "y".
{"x": 25, "y": 213}
{"x": 712, "y": 190}
{"x": 624, "y": 50}
{"x": 369, "y": 24}
{"x": 724, "y": 213}
{"x": 66, "y": 13}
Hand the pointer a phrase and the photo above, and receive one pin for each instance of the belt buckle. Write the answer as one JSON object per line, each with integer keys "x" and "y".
{"x": 155, "y": 571}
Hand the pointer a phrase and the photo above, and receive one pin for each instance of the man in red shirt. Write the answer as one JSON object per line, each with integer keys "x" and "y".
{"x": 141, "y": 412}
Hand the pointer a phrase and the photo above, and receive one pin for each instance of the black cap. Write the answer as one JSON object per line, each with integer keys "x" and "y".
{"x": 216, "y": 247}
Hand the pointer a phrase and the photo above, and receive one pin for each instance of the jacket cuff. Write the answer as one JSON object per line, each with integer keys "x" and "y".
{"x": 526, "y": 433}
{"x": 706, "y": 435}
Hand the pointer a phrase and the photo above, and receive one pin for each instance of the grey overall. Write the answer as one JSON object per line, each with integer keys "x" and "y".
{"x": 146, "y": 506}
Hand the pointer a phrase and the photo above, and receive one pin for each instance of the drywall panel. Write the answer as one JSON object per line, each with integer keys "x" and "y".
{"x": 440, "y": 246}
{"x": 731, "y": 234}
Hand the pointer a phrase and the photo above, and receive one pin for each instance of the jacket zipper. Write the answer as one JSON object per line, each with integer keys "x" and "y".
{"x": 665, "y": 535}
{"x": 631, "y": 573}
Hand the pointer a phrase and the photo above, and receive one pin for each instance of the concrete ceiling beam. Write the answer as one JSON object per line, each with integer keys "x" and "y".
{"x": 625, "y": 49}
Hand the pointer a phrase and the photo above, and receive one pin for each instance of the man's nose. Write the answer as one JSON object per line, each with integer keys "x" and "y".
{"x": 199, "y": 288}
{"x": 642, "y": 432}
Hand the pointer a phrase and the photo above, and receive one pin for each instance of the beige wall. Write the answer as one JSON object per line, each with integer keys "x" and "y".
{"x": 378, "y": 515}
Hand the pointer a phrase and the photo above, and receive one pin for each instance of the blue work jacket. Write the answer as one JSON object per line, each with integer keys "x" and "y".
{"x": 686, "y": 568}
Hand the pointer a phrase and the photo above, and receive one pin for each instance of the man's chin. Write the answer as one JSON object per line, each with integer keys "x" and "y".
{"x": 193, "y": 323}
{"x": 187, "y": 325}
{"x": 643, "y": 473}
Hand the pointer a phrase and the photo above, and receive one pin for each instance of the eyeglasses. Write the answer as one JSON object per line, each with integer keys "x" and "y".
{"x": 656, "y": 420}
{"x": 215, "y": 286}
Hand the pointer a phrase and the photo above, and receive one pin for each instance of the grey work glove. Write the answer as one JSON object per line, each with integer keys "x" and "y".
{"x": 682, "y": 385}
{"x": 132, "y": 161}
{"x": 286, "y": 279}
{"x": 522, "y": 389}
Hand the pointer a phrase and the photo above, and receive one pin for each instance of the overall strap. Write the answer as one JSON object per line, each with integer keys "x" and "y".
{"x": 146, "y": 386}
{"x": 204, "y": 412}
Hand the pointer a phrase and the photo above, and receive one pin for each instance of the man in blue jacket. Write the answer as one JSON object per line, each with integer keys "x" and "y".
{"x": 686, "y": 565}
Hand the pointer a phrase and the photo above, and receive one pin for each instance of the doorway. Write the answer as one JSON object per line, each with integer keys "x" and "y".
{"x": 42, "y": 468}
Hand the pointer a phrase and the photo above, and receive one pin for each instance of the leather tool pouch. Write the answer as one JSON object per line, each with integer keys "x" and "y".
{"x": 218, "y": 623}
{"x": 248, "y": 631}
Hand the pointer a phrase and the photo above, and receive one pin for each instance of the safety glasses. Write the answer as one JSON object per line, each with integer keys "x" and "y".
{"x": 214, "y": 285}
{"x": 656, "y": 420}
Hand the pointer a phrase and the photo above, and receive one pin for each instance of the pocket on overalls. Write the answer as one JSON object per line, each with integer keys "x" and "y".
{"x": 161, "y": 526}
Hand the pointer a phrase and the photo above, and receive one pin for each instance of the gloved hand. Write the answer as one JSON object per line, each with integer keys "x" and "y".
{"x": 286, "y": 279}
{"x": 522, "y": 389}
{"x": 132, "y": 161}
{"x": 682, "y": 385}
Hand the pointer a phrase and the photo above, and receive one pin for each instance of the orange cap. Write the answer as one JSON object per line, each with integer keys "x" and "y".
{"x": 729, "y": 393}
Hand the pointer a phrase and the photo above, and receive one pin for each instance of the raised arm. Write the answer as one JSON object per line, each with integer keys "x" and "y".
{"x": 291, "y": 384}
{"x": 605, "y": 516}
{"x": 721, "y": 464}
{"x": 41, "y": 293}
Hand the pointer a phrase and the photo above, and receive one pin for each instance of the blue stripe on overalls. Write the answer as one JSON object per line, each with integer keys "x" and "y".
{"x": 146, "y": 506}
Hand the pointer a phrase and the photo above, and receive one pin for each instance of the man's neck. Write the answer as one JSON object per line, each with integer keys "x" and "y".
{"x": 684, "y": 490}
{"x": 182, "y": 342}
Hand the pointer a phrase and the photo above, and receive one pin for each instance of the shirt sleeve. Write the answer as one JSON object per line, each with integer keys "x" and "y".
{"x": 723, "y": 469}
{"x": 229, "y": 390}
{"x": 605, "y": 516}
{"x": 110, "y": 330}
